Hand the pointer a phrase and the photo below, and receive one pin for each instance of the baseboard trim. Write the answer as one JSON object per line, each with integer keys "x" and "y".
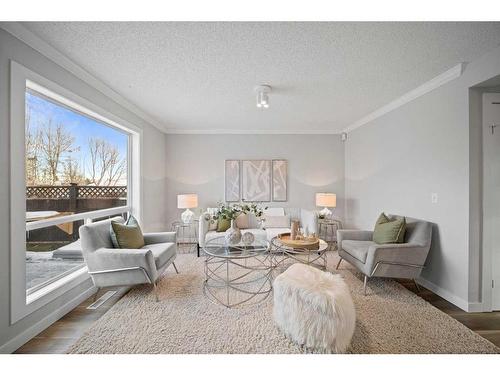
{"x": 22, "y": 338}
{"x": 476, "y": 307}
{"x": 450, "y": 297}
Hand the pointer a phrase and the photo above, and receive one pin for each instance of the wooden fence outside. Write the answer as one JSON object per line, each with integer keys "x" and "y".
{"x": 75, "y": 191}
{"x": 70, "y": 199}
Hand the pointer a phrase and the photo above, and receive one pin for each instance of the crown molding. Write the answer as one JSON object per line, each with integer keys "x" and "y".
{"x": 40, "y": 45}
{"x": 249, "y": 131}
{"x": 421, "y": 90}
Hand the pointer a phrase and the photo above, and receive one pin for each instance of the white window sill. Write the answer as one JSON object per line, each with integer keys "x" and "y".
{"x": 22, "y": 307}
{"x": 62, "y": 285}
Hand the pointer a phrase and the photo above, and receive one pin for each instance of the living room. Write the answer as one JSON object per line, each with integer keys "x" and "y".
{"x": 270, "y": 187}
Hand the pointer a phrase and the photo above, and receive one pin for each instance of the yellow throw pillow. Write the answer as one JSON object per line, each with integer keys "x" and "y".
{"x": 223, "y": 224}
{"x": 128, "y": 236}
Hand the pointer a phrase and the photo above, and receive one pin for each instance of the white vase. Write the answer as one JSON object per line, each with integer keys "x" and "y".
{"x": 233, "y": 234}
{"x": 187, "y": 216}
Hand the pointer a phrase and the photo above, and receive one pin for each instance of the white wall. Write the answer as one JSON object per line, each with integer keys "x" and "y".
{"x": 153, "y": 179}
{"x": 395, "y": 162}
{"x": 195, "y": 164}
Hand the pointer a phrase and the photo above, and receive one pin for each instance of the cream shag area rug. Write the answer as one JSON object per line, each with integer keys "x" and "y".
{"x": 390, "y": 319}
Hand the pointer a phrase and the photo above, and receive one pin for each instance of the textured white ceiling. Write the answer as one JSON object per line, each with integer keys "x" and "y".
{"x": 325, "y": 76}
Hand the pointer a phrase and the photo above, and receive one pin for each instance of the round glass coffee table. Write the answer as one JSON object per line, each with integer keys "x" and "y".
{"x": 237, "y": 274}
{"x": 283, "y": 254}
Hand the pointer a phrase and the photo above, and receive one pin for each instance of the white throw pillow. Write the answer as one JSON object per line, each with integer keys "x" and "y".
{"x": 276, "y": 221}
{"x": 274, "y": 211}
{"x": 212, "y": 223}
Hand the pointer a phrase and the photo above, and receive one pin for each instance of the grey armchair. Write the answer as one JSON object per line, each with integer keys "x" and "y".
{"x": 402, "y": 260}
{"x": 119, "y": 267}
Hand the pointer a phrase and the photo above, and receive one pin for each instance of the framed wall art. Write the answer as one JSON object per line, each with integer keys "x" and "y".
{"x": 280, "y": 177}
{"x": 256, "y": 180}
{"x": 232, "y": 180}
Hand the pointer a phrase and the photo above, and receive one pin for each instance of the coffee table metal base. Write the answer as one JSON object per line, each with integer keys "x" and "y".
{"x": 237, "y": 282}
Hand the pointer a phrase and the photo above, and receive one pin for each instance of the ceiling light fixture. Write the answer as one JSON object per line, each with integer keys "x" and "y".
{"x": 262, "y": 92}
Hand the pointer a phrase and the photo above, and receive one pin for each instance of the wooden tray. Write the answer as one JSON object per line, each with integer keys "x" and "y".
{"x": 299, "y": 244}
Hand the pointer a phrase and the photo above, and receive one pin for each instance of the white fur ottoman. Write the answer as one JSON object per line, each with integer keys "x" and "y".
{"x": 314, "y": 308}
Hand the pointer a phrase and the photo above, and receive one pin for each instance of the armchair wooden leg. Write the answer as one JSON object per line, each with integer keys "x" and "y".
{"x": 175, "y": 267}
{"x": 155, "y": 291}
{"x": 364, "y": 285}
{"x": 338, "y": 264}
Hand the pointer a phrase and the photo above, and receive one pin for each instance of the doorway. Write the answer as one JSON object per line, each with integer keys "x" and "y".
{"x": 491, "y": 191}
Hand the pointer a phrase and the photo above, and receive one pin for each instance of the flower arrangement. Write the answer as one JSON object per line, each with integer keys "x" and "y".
{"x": 253, "y": 208}
{"x": 232, "y": 211}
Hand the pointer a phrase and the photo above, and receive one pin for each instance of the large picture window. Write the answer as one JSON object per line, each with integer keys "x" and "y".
{"x": 74, "y": 164}
{"x": 71, "y": 163}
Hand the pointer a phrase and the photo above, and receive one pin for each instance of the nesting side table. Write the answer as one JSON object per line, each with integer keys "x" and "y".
{"x": 187, "y": 234}
{"x": 327, "y": 231}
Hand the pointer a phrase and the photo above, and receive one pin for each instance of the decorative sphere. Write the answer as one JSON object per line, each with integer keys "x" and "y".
{"x": 233, "y": 236}
{"x": 247, "y": 238}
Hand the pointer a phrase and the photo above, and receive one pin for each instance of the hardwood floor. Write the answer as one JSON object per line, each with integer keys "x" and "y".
{"x": 59, "y": 337}
{"x": 65, "y": 332}
{"x": 484, "y": 324}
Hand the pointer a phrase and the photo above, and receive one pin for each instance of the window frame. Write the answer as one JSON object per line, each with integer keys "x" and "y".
{"x": 22, "y": 79}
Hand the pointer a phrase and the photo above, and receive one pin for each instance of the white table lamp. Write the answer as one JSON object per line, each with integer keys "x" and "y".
{"x": 187, "y": 201}
{"x": 326, "y": 200}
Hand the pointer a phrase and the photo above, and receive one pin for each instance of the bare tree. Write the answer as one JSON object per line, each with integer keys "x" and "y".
{"x": 55, "y": 142}
{"x": 32, "y": 149}
{"x": 49, "y": 159}
{"x": 72, "y": 172}
{"x": 106, "y": 164}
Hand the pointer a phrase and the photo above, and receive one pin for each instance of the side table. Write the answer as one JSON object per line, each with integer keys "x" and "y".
{"x": 281, "y": 254}
{"x": 187, "y": 234}
{"x": 327, "y": 231}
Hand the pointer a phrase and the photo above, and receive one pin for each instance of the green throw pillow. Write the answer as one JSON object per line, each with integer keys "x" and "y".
{"x": 382, "y": 219}
{"x": 131, "y": 221}
{"x": 223, "y": 224}
{"x": 128, "y": 236}
{"x": 389, "y": 231}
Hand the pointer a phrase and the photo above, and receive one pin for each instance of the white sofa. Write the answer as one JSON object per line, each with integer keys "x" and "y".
{"x": 308, "y": 219}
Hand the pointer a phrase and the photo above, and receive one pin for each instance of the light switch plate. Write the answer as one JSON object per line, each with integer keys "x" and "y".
{"x": 434, "y": 197}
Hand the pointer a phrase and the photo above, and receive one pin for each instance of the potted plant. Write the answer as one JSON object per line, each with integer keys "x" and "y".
{"x": 254, "y": 208}
{"x": 231, "y": 212}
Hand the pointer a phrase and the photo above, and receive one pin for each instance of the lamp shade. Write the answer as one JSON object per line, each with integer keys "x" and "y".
{"x": 326, "y": 200}
{"x": 187, "y": 201}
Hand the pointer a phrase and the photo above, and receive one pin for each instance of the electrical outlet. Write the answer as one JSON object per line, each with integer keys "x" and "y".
{"x": 434, "y": 197}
